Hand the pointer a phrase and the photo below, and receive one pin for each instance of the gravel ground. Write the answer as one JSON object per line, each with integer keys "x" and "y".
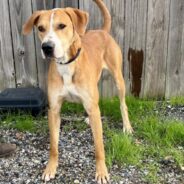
{"x": 175, "y": 111}
{"x": 76, "y": 162}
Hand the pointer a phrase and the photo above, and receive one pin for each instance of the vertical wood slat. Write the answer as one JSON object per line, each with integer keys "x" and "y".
{"x": 7, "y": 73}
{"x": 48, "y": 4}
{"x": 156, "y": 53}
{"x": 24, "y": 48}
{"x": 117, "y": 10}
{"x": 59, "y": 4}
{"x": 135, "y": 37}
{"x": 71, "y": 3}
{"x": 182, "y": 64}
{"x": 175, "y": 59}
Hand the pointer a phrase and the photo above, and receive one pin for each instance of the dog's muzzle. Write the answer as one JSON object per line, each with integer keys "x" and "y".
{"x": 48, "y": 49}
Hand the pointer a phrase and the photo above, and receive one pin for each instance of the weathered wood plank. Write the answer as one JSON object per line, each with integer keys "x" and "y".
{"x": 182, "y": 64}
{"x": 135, "y": 48}
{"x": 71, "y": 3}
{"x": 59, "y": 3}
{"x": 7, "y": 73}
{"x": 48, "y": 4}
{"x": 24, "y": 48}
{"x": 117, "y": 10}
{"x": 175, "y": 62}
{"x": 156, "y": 48}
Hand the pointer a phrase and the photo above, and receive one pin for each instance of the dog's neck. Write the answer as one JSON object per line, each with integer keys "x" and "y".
{"x": 68, "y": 70}
{"x": 64, "y": 61}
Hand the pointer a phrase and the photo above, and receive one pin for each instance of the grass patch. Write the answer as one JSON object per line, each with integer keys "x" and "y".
{"x": 122, "y": 149}
{"x": 157, "y": 131}
{"x": 136, "y": 107}
{"x": 72, "y": 108}
{"x": 177, "y": 100}
{"x": 24, "y": 122}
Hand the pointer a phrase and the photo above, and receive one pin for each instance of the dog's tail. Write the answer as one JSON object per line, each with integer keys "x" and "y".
{"x": 106, "y": 15}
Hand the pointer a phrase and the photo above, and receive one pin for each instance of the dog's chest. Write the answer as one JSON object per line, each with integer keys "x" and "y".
{"x": 70, "y": 91}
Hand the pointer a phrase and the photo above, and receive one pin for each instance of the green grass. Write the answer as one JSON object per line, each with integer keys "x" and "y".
{"x": 24, "y": 122}
{"x": 122, "y": 149}
{"x": 136, "y": 107}
{"x": 155, "y": 137}
{"x": 177, "y": 100}
{"x": 157, "y": 131}
{"x": 72, "y": 108}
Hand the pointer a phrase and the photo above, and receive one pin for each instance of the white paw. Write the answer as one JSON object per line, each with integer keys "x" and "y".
{"x": 49, "y": 173}
{"x": 102, "y": 176}
{"x": 128, "y": 130}
{"x": 87, "y": 121}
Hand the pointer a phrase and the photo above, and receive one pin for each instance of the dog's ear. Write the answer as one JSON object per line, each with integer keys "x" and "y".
{"x": 28, "y": 26}
{"x": 79, "y": 19}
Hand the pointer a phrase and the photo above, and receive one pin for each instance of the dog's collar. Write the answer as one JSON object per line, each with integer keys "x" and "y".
{"x": 72, "y": 59}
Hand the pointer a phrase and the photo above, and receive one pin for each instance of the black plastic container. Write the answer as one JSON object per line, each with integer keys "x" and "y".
{"x": 26, "y": 99}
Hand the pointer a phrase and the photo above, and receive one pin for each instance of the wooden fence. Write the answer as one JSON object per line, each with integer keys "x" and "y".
{"x": 150, "y": 33}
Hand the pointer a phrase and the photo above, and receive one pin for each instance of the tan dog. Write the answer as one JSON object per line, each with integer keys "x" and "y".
{"x": 77, "y": 60}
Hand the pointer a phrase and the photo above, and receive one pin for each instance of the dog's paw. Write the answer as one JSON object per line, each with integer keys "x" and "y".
{"x": 102, "y": 176}
{"x": 49, "y": 172}
{"x": 128, "y": 130}
{"x": 87, "y": 121}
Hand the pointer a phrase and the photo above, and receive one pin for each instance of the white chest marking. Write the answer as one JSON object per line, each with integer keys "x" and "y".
{"x": 70, "y": 92}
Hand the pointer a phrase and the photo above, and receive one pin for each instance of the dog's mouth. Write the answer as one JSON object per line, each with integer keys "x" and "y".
{"x": 52, "y": 57}
{"x": 56, "y": 58}
{"x": 60, "y": 59}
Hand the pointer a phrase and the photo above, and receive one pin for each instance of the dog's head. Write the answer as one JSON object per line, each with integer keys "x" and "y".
{"x": 59, "y": 31}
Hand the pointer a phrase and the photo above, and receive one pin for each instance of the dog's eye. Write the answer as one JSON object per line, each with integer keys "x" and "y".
{"x": 41, "y": 28}
{"x": 61, "y": 26}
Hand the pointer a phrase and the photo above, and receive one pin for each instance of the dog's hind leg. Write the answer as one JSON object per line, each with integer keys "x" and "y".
{"x": 114, "y": 65}
{"x": 124, "y": 110}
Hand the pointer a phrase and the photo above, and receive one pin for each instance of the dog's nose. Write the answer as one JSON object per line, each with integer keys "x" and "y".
{"x": 48, "y": 49}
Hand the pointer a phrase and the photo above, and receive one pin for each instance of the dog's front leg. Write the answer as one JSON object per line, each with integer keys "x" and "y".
{"x": 54, "y": 127}
{"x": 102, "y": 175}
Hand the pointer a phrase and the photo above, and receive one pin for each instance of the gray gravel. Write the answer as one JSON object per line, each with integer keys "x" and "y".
{"x": 76, "y": 163}
{"x": 176, "y": 112}
{"x": 170, "y": 111}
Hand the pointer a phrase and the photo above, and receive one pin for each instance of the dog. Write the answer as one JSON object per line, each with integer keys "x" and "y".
{"x": 77, "y": 60}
